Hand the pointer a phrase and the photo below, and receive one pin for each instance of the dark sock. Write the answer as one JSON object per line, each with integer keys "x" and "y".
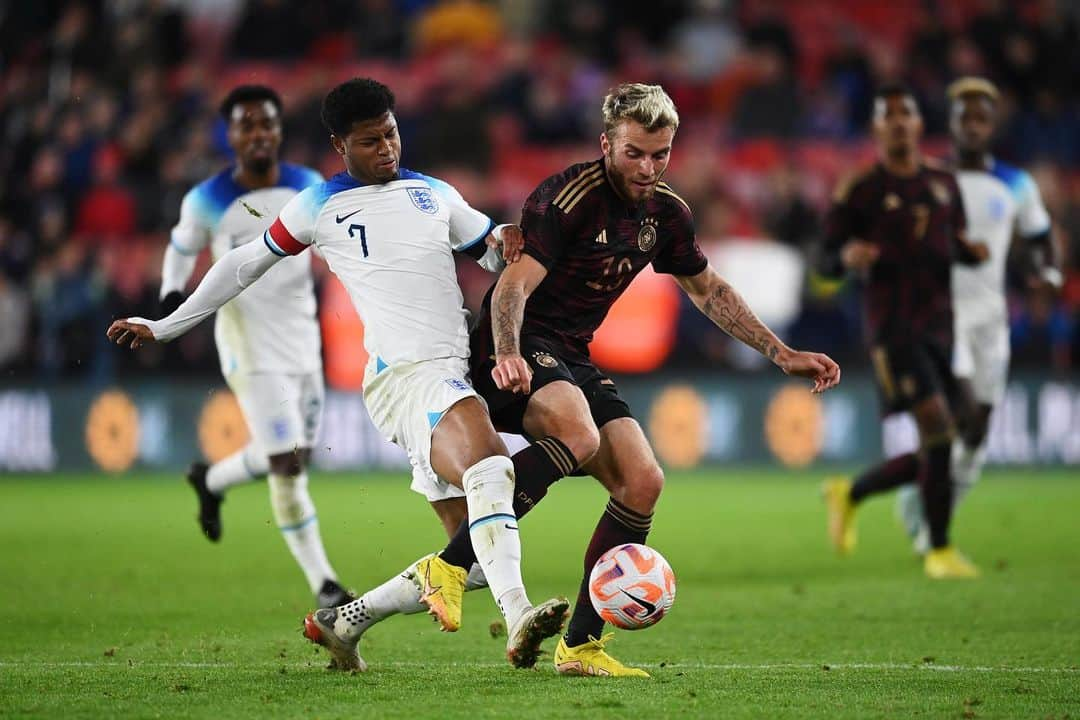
{"x": 935, "y": 482}
{"x": 900, "y": 470}
{"x": 536, "y": 468}
{"x": 618, "y": 525}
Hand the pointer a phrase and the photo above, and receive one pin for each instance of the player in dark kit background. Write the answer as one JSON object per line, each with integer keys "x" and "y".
{"x": 588, "y": 231}
{"x": 899, "y": 227}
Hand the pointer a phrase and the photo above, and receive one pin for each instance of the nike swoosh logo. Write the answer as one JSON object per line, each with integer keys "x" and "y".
{"x": 342, "y": 218}
{"x": 649, "y": 607}
{"x": 510, "y": 527}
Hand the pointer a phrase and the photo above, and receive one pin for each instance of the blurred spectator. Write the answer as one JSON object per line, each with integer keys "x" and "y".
{"x": 788, "y": 218}
{"x": 108, "y": 115}
{"x": 770, "y": 105}
{"x": 14, "y": 321}
{"x": 1042, "y": 333}
{"x": 69, "y": 297}
{"x": 272, "y": 30}
{"x": 471, "y": 24}
{"x": 106, "y": 214}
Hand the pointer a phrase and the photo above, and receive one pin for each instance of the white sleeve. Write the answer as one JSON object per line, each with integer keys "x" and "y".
{"x": 192, "y": 231}
{"x": 468, "y": 226}
{"x": 187, "y": 239}
{"x": 233, "y": 272}
{"x": 1031, "y": 216}
{"x": 175, "y": 270}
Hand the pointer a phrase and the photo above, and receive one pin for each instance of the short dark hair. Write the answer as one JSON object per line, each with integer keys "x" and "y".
{"x": 355, "y": 101}
{"x": 248, "y": 93}
{"x": 895, "y": 89}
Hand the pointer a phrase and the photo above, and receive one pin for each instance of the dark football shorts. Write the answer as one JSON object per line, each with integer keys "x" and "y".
{"x": 548, "y": 365}
{"x": 910, "y": 373}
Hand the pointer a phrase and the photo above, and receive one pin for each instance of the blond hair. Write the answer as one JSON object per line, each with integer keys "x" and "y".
{"x": 648, "y": 105}
{"x": 972, "y": 86}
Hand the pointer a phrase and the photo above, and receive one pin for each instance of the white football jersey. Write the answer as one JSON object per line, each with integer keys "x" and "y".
{"x": 998, "y": 202}
{"x": 391, "y": 245}
{"x": 272, "y": 326}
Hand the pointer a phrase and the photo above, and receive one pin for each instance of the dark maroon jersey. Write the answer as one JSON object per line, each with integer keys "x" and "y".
{"x": 593, "y": 244}
{"x": 917, "y": 222}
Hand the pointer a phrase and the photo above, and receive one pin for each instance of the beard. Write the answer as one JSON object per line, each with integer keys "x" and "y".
{"x": 624, "y": 187}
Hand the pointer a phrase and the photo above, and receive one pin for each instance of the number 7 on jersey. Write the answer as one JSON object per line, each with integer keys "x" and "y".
{"x": 363, "y": 236}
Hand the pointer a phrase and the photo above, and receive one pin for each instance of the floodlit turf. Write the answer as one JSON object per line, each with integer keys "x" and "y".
{"x": 113, "y": 606}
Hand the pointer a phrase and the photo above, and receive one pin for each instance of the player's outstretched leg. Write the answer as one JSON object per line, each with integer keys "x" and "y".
{"x": 626, "y": 466}
{"x": 489, "y": 486}
{"x": 295, "y": 515}
{"x": 935, "y": 482}
{"x": 843, "y": 496}
{"x": 340, "y": 629}
{"x": 581, "y": 650}
{"x": 211, "y": 483}
{"x": 536, "y": 468}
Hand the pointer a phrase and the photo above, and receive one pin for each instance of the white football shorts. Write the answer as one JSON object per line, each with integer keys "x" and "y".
{"x": 406, "y": 402}
{"x": 981, "y": 356}
{"x": 282, "y": 411}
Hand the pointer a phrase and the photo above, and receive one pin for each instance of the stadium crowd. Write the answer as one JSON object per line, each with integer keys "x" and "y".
{"x": 108, "y": 115}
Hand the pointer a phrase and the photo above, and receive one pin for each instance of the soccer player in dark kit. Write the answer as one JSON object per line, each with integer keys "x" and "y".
{"x": 899, "y": 227}
{"x": 588, "y": 232}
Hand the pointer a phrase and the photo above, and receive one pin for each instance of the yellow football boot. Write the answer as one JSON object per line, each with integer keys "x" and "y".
{"x": 841, "y": 514}
{"x": 590, "y": 659}
{"x": 948, "y": 564}
{"x": 441, "y": 587}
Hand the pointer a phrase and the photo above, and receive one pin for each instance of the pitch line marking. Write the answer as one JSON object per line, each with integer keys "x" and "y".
{"x": 480, "y": 665}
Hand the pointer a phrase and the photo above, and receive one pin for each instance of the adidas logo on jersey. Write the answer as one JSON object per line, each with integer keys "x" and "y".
{"x": 601, "y": 239}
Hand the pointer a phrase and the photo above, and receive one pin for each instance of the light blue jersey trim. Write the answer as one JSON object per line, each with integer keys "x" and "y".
{"x": 483, "y": 235}
{"x": 380, "y": 365}
{"x": 273, "y": 246}
{"x": 433, "y": 418}
{"x": 181, "y": 249}
{"x": 299, "y": 525}
{"x": 1020, "y": 184}
{"x": 493, "y": 518}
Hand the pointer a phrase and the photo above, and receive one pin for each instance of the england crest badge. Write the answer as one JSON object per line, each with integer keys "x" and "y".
{"x": 424, "y": 200}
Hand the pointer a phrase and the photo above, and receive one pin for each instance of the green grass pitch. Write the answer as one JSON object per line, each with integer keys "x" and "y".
{"x": 114, "y": 606}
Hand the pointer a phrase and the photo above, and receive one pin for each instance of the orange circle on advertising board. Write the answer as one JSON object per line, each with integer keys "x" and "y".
{"x": 679, "y": 426}
{"x": 794, "y": 425}
{"x": 112, "y": 431}
{"x": 222, "y": 429}
{"x": 344, "y": 355}
{"x": 639, "y": 330}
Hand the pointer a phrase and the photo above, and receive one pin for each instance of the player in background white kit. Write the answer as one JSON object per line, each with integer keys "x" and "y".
{"x": 389, "y": 235}
{"x": 1001, "y": 201}
{"x": 270, "y": 351}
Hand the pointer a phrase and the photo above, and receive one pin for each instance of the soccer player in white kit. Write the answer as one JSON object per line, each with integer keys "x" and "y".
{"x": 389, "y": 235}
{"x": 270, "y": 351}
{"x": 1001, "y": 201}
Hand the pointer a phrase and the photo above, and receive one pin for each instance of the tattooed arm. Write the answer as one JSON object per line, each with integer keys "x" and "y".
{"x": 516, "y": 283}
{"x": 722, "y": 304}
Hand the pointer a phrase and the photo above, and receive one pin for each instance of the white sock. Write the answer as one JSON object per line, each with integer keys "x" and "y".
{"x": 489, "y": 490}
{"x": 909, "y": 509}
{"x": 243, "y": 466}
{"x": 295, "y": 516}
{"x": 967, "y": 468}
{"x": 398, "y": 595}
